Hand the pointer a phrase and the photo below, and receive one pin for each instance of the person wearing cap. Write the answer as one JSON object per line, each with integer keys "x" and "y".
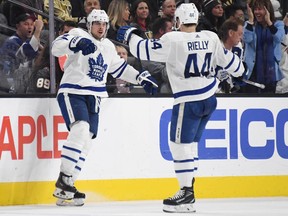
{"x": 213, "y": 16}
{"x": 17, "y": 53}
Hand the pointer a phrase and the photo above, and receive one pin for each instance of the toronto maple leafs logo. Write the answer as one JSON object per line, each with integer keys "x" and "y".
{"x": 97, "y": 68}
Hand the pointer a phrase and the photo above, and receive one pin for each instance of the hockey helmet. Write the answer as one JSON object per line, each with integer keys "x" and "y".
{"x": 186, "y": 13}
{"x": 97, "y": 16}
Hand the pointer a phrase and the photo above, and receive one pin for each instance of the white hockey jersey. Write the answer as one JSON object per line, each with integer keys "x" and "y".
{"x": 189, "y": 58}
{"x": 86, "y": 75}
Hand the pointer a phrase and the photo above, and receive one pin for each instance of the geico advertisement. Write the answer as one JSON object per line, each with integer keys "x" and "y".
{"x": 245, "y": 136}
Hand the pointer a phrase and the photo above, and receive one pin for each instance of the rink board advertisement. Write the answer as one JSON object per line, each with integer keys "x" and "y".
{"x": 243, "y": 149}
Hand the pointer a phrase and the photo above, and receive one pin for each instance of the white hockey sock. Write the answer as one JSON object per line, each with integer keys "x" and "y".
{"x": 71, "y": 151}
{"x": 82, "y": 159}
{"x": 184, "y": 165}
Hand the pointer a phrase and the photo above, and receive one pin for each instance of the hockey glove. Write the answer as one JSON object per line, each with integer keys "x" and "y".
{"x": 84, "y": 44}
{"x": 124, "y": 33}
{"x": 222, "y": 75}
{"x": 147, "y": 82}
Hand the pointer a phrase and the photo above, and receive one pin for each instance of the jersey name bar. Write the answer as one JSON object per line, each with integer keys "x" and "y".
{"x": 197, "y": 45}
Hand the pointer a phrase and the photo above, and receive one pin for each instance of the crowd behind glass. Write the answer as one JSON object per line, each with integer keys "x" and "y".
{"x": 25, "y": 62}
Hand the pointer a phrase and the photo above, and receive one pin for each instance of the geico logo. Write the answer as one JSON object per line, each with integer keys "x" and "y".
{"x": 232, "y": 134}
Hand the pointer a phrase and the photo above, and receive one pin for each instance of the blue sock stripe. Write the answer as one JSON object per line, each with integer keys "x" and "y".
{"x": 72, "y": 149}
{"x": 81, "y": 158}
{"x": 184, "y": 161}
{"x": 78, "y": 168}
{"x": 69, "y": 158}
{"x": 184, "y": 171}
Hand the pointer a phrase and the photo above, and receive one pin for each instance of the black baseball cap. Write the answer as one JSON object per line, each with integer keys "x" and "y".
{"x": 24, "y": 17}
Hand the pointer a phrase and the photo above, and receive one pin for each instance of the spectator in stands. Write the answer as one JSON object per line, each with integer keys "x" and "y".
{"x": 168, "y": 9}
{"x": 39, "y": 80}
{"x": 140, "y": 18}
{"x": 236, "y": 11}
{"x": 18, "y": 52}
{"x": 89, "y": 5}
{"x": 153, "y": 7}
{"x": 14, "y": 10}
{"x": 213, "y": 16}
{"x": 161, "y": 26}
{"x": 262, "y": 37}
{"x": 4, "y": 31}
{"x": 62, "y": 10}
{"x": 65, "y": 27}
{"x": 282, "y": 85}
{"x": 231, "y": 34}
{"x": 118, "y": 13}
{"x": 77, "y": 8}
{"x": 122, "y": 86}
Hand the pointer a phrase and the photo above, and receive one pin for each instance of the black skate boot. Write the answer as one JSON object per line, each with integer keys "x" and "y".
{"x": 181, "y": 202}
{"x": 64, "y": 187}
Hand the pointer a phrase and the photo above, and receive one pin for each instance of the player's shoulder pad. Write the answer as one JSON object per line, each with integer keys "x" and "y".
{"x": 79, "y": 32}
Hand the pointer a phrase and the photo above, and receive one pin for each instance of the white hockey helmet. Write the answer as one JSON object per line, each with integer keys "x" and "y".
{"x": 186, "y": 13}
{"x": 97, "y": 16}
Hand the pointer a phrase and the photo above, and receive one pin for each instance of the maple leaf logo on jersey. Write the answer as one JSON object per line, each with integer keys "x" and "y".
{"x": 97, "y": 68}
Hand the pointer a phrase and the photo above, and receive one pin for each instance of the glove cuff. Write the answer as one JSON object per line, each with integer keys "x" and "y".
{"x": 142, "y": 76}
{"x": 128, "y": 33}
{"x": 73, "y": 43}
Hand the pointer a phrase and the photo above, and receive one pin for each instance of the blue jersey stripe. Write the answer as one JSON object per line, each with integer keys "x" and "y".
{"x": 90, "y": 88}
{"x": 231, "y": 62}
{"x": 147, "y": 50}
{"x": 122, "y": 65}
{"x": 122, "y": 70}
{"x": 196, "y": 91}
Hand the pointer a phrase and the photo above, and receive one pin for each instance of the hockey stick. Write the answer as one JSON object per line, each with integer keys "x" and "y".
{"x": 258, "y": 85}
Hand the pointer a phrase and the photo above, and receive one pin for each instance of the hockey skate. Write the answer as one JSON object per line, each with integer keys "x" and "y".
{"x": 64, "y": 187}
{"x": 77, "y": 200}
{"x": 181, "y": 202}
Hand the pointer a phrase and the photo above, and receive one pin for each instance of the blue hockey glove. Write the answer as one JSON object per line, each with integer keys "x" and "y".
{"x": 147, "y": 82}
{"x": 84, "y": 44}
{"x": 124, "y": 33}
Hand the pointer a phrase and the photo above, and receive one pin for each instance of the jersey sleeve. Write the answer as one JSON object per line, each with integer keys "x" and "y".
{"x": 60, "y": 46}
{"x": 119, "y": 68}
{"x": 228, "y": 60}
{"x": 149, "y": 49}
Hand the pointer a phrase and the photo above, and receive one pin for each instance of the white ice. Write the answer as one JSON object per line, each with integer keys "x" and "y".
{"x": 276, "y": 206}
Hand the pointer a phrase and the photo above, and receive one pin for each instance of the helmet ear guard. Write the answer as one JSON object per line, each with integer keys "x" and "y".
{"x": 186, "y": 13}
{"x": 97, "y": 16}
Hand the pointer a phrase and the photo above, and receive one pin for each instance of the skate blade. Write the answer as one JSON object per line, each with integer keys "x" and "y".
{"x": 73, "y": 202}
{"x": 65, "y": 195}
{"x": 184, "y": 208}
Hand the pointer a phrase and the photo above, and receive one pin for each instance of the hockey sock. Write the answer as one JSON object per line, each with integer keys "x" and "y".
{"x": 183, "y": 163}
{"x": 71, "y": 151}
{"x": 82, "y": 158}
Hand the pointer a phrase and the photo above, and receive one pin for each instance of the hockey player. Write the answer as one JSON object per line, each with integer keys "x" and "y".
{"x": 90, "y": 57}
{"x": 190, "y": 57}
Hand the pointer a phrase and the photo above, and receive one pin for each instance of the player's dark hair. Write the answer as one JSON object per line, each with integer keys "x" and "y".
{"x": 159, "y": 23}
